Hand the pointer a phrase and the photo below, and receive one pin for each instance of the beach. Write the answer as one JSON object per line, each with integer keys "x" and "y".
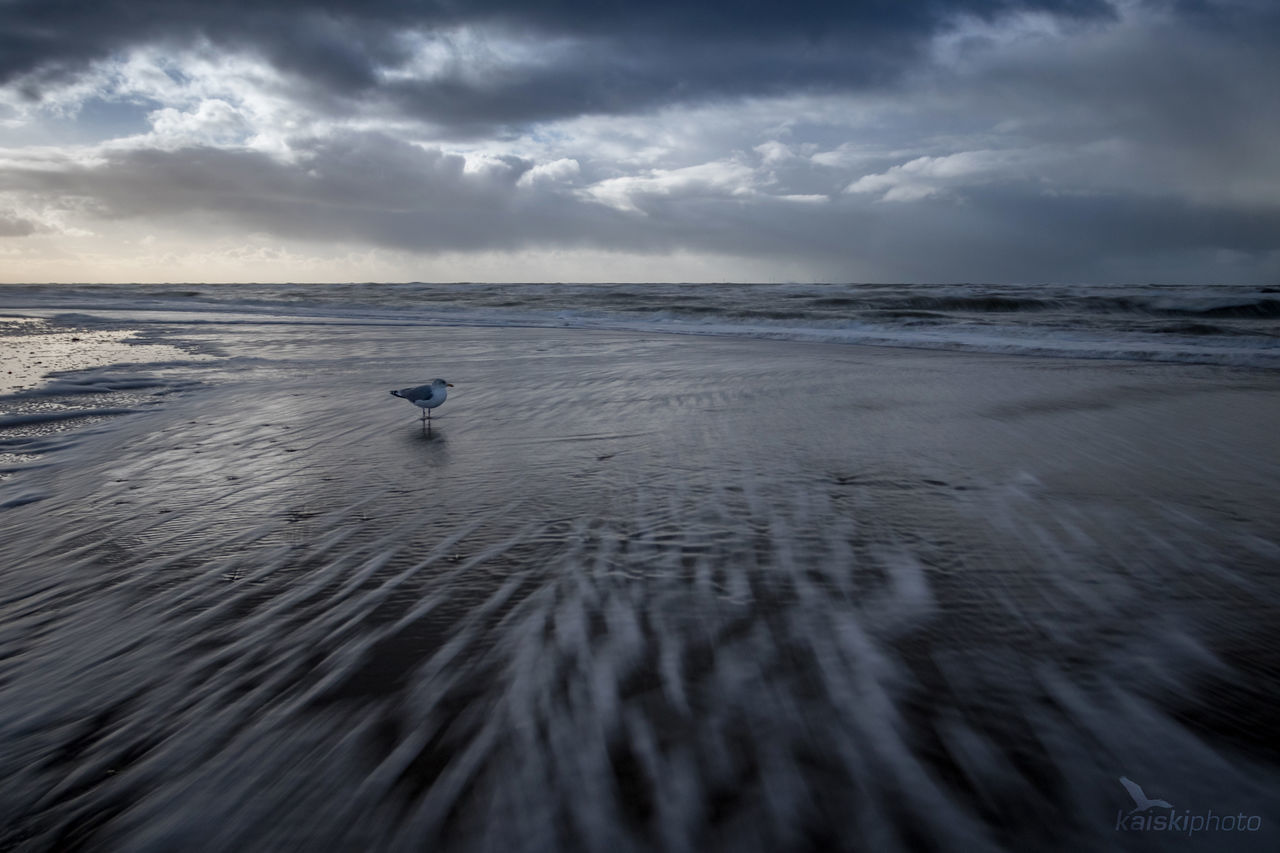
{"x": 635, "y": 591}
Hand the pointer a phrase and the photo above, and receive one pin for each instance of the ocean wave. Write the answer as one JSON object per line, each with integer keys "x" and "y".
{"x": 1230, "y": 325}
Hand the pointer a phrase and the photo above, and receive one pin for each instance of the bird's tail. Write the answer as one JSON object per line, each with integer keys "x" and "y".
{"x": 395, "y": 393}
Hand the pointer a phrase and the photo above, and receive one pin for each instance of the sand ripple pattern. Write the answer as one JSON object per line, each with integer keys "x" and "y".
{"x": 256, "y": 621}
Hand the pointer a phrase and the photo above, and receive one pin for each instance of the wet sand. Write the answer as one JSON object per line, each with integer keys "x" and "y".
{"x": 33, "y": 349}
{"x": 644, "y": 592}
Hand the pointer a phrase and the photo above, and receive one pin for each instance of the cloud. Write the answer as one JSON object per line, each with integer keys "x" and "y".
{"x": 368, "y": 189}
{"x": 923, "y": 177}
{"x": 722, "y": 179}
{"x": 12, "y": 225}
{"x": 351, "y": 187}
{"x": 562, "y": 171}
{"x": 474, "y": 66}
{"x": 212, "y": 122}
{"x": 974, "y": 139}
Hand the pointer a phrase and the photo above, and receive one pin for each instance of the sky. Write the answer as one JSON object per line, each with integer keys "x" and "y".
{"x": 658, "y": 140}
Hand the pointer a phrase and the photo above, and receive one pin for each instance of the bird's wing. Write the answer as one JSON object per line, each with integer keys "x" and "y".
{"x": 421, "y": 392}
{"x": 1133, "y": 789}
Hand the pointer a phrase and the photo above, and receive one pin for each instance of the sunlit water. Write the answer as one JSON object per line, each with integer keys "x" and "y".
{"x": 636, "y": 592}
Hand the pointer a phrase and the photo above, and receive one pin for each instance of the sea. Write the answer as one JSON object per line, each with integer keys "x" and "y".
{"x": 1218, "y": 324}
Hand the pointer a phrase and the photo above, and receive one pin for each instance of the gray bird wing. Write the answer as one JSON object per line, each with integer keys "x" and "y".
{"x": 421, "y": 392}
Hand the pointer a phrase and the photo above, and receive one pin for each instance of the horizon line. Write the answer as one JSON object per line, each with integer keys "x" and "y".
{"x": 813, "y": 283}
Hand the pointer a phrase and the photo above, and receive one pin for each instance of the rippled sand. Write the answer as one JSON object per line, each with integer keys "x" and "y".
{"x": 642, "y": 592}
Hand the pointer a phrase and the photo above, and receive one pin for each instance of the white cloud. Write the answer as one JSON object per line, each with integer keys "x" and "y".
{"x": 773, "y": 151}
{"x": 563, "y": 171}
{"x": 928, "y": 176}
{"x": 213, "y": 122}
{"x": 846, "y": 155}
{"x": 193, "y": 96}
{"x": 719, "y": 178}
{"x": 31, "y": 213}
{"x": 479, "y": 165}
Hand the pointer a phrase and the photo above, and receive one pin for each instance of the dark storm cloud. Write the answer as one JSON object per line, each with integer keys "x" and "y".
{"x": 624, "y": 56}
{"x": 1081, "y": 149}
{"x": 38, "y": 32}
{"x": 361, "y": 188}
{"x": 1017, "y": 233}
{"x": 602, "y": 78}
{"x": 424, "y": 200}
{"x": 1012, "y": 232}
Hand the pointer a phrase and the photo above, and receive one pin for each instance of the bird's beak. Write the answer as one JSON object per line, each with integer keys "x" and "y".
{"x": 448, "y": 384}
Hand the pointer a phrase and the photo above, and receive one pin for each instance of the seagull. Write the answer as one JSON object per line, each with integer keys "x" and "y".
{"x": 426, "y": 397}
{"x": 1140, "y": 800}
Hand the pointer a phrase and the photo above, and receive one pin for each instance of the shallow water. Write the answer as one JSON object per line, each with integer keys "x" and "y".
{"x": 640, "y": 592}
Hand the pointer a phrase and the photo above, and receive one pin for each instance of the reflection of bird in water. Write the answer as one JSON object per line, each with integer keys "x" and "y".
{"x": 1140, "y": 800}
{"x": 426, "y": 397}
